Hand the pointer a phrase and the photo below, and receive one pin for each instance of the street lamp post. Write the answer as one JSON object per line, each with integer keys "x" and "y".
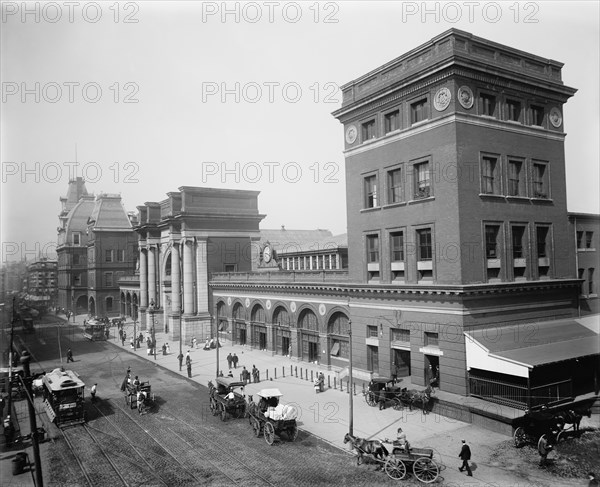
{"x": 351, "y": 412}
{"x": 135, "y": 342}
{"x": 217, "y": 334}
{"x": 152, "y": 330}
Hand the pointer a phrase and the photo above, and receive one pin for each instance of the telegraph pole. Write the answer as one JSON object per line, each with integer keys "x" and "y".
{"x": 25, "y": 359}
{"x": 350, "y": 393}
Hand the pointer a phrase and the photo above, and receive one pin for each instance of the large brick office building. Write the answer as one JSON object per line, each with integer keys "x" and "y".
{"x": 457, "y": 151}
{"x": 461, "y": 259}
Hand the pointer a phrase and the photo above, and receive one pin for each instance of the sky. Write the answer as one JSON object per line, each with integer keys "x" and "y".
{"x": 141, "y": 98}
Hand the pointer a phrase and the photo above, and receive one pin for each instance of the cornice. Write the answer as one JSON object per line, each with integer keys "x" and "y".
{"x": 389, "y": 291}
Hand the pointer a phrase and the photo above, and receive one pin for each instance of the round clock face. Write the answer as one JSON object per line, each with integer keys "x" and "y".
{"x": 351, "y": 134}
{"x": 555, "y": 117}
{"x": 267, "y": 254}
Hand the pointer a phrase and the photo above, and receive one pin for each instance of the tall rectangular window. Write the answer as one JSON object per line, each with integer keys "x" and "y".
{"x": 392, "y": 121}
{"x": 541, "y": 241}
{"x": 515, "y": 178}
{"x": 490, "y": 181}
{"x": 540, "y": 181}
{"x": 108, "y": 279}
{"x": 397, "y": 246}
{"x": 543, "y": 247}
{"x": 591, "y": 284}
{"x": 394, "y": 186}
{"x": 588, "y": 239}
{"x": 513, "y": 110}
{"x": 422, "y": 183}
{"x": 372, "y": 248}
{"x": 488, "y": 104}
{"x": 491, "y": 241}
{"x": 580, "y": 239}
{"x": 120, "y": 255}
{"x": 425, "y": 250}
{"x": 537, "y": 115}
{"x": 108, "y": 255}
{"x": 368, "y": 130}
{"x": 76, "y": 238}
{"x": 371, "y": 191}
{"x": 519, "y": 251}
{"x": 418, "y": 111}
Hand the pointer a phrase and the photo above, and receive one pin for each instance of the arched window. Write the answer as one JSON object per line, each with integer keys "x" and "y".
{"x": 281, "y": 317}
{"x": 109, "y": 304}
{"x": 258, "y": 314}
{"x": 220, "y": 308}
{"x": 338, "y": 324}
{"x": 238, "y": 312}
{"x": 168, "y": 266}
{"x": 308, "y": 320}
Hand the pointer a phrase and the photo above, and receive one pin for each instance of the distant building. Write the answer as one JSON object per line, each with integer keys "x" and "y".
{"x": 42, "y": 283}
{"x": 586, "y": 238}
{"x": 96, "y": 246}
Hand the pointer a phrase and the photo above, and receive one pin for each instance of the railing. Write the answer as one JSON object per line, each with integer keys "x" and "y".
{"x": 281, "y": 276}
{"x": 516, "y": 396}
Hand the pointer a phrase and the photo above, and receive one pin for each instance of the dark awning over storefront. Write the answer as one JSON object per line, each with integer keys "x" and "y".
{"x": 517, "y": 349}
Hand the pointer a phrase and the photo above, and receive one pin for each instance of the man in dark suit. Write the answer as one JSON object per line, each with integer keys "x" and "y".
{"x": 465, "y": 456}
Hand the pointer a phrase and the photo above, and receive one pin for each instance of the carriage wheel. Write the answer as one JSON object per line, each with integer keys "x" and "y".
{"x": 269, "y": 433}
{"x": 370, "y": 398}
{"x": 214, "y": 407}
{"x": 397, "y": 404}
{"x": 223, "y": 412}
{"x": 561, "y": 434}
{"x": 256, "y": 427}
{"x": 520, "y": 437}
{"x": 426, "y": 470}
{"x": 293, "y": 433}
{"x": 395, "y": 468}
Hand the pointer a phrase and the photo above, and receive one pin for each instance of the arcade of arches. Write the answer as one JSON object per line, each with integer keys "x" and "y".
{"x": 303, "y": 333}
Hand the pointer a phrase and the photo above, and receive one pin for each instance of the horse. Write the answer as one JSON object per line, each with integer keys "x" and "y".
{"x": 572, "y": 417}
{"x": 367, "y": 447}
{"x": 423, "y": 397}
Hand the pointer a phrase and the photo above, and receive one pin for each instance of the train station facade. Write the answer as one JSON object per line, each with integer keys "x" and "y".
{"x": 460, "y": 255}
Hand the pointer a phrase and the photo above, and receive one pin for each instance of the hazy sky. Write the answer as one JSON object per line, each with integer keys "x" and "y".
{"x": 160, "y": 95}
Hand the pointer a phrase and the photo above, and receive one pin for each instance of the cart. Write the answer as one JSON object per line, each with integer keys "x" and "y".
{"x": 147, "y": 398}
{"x": 270, "y": 418}
{"x": 221, "y": 404}
{"x": 383, "y": 391}
{"x": 533, "y": 425}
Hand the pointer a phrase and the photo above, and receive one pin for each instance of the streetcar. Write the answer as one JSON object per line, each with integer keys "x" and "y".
{"x": 63, "y": 393}
{"x": 94, "y": 330}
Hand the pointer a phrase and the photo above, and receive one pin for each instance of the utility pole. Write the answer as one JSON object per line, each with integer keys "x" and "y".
{"x": 350, "y": 387}
{"x": 25, "y": 359}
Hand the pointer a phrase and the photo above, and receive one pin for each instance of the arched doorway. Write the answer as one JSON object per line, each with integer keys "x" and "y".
{"x": 309, "y": 332}
{"x": 259, "y": 327}
{"x": 283, "y": 334}
{"x": 239, "y": 324}
{"x": 81, "y": 305}
{"x": 338, "y": 331}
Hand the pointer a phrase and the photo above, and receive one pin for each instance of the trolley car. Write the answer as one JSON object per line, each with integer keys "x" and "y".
{"x": 94, "y": 330}
{"x": 64, "y": 397}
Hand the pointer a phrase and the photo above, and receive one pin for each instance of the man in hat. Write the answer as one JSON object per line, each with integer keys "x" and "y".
{"x": 465, "y": 456}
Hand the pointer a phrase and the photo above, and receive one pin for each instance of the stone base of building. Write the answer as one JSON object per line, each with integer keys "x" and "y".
{"x": 175, "y": 327}
{"x": 199, "y": 326}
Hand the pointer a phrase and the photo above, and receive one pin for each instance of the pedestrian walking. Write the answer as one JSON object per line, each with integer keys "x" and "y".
{"x": 544, "y": 447}
{"x": 123, "y": 338}
{"x": 229, "y": 360}
{"x": 70, "y": 356}
{"x": 132, "y": 343}
{"x": 93, "y": 391}
{"x": 189, "y": 368}
{"x": 245, "y": 375}
{"x": 465, "y": 456}
{"x": 168, "y": 348}
{"x": 234, "y": 359}
{"x": 187, "y": 357}
{"x": 180, "y": 358}
{"x": 193, "y": 342}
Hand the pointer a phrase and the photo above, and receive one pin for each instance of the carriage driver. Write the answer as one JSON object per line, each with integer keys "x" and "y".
{"x": 401, "y": 440}
{"x": 230, "y": 396}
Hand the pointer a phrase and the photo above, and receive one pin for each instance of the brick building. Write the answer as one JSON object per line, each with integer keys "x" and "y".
{"x": 459, "y": 233}
{"x": 585, "y": 233}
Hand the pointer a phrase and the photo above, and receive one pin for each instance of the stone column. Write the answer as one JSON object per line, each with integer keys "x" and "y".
{"x": 188, "y": 279}
{"x": 143, "y": 278}
{"x": 175, "y": 281}
{"x": 151, "y": 274}
{"x": 202, "y": 276}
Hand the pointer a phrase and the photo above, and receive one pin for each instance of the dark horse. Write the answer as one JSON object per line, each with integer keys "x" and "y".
{"x": 423, "y": 397}
{"x": 367, "y": 447}
{"x": 572, "y": 417}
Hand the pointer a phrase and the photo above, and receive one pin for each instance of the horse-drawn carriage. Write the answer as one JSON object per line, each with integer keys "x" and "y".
{"x": 402, "y": 460}
{"x": 383, "y": 391}
{"x": 225, "y": 400}
{"x": 549, "y": 423}
{"x": 270, "y": 418}
{"x": 139, "y": 396}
